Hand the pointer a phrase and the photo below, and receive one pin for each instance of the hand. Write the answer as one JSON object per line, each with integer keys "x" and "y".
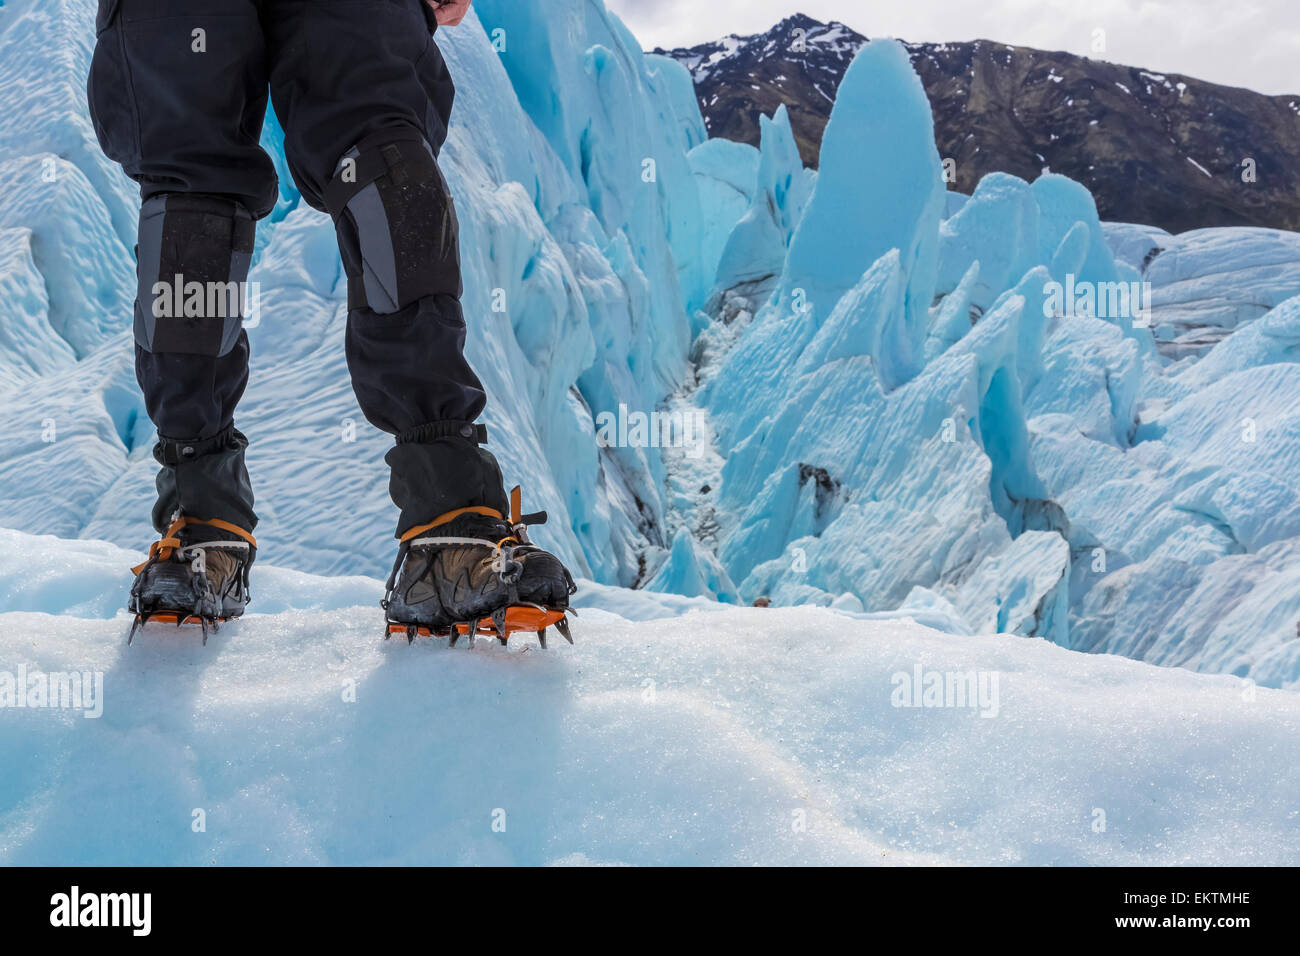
{"x": 449, "y": 12}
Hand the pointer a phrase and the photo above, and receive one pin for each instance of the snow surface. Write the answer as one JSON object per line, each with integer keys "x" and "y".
{"x": 735, "y": 736}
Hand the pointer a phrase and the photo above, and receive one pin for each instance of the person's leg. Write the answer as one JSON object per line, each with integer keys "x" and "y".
{"x": 177, "y": 94}
{"x": 364, "y": 97}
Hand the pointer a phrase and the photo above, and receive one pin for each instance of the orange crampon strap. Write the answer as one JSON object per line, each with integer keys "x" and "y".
{"x": 516, "y": 516}
{"x": 163, "y": 549}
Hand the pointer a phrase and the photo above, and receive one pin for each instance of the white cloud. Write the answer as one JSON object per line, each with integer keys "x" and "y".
{"x": 1251, "y": 43}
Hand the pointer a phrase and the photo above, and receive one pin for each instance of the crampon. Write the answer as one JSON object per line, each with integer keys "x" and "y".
{"x": 501, "y": 624}
{"x": 193, "y": 582}
{"x": 472, "y": 572}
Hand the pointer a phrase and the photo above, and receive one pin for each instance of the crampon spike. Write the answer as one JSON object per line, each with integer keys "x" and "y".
{"x": 206, "y": 625}
{"x": 562, "y": 625}
{"x": 501, "y": 624}
{"x": 454, "y": 636}
{"x": 408, "y": 631}
{"x": 528, "y": 618}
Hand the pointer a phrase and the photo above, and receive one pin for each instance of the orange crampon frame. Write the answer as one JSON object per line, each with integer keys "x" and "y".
{"x": 180, "y": 618}
{"x": 525, "y": 618}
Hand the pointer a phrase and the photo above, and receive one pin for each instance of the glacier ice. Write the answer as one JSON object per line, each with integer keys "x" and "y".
{"x": 1024, "y": 469}
{"x": 757, "y": 245}
{"x": 879, "y": 187}
{"x": 1208, "y": 282}
{"x": 902, "y": 423}
{"x": 726, "y": 175}
{"x": 911, "y": 452}
{"x": 693, "y": 571}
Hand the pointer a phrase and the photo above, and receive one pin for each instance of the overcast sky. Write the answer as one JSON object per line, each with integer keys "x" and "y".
{"x": 1251, "y": 43}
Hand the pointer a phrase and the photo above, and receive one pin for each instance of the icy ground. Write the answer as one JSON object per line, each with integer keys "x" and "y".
{"x": 898, "y": 420}
{"x": 730, "y": 736}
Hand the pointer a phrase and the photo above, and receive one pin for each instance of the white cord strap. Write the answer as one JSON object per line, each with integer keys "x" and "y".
{"x": 203, "y": 545}
{"x": 418, "y": 542}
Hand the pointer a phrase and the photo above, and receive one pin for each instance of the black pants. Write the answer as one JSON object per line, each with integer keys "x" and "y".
{"x": 178, "y": 93}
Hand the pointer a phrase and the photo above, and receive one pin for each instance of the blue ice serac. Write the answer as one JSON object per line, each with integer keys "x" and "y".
{"x": 914, "y": 400}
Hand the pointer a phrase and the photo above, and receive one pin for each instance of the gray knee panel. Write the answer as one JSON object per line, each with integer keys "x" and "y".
{"x": 389, "y": 199}
{"x": 193, "y": 257}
